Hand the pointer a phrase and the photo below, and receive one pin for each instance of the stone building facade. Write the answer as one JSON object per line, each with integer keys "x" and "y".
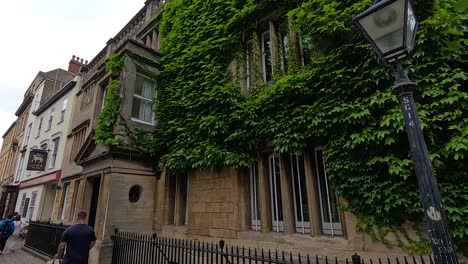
{"x": 9, "y": 156}
{"x": 47, "y": 123}
{"x": 96, "y": 177}
{"x": 282, "y": 202}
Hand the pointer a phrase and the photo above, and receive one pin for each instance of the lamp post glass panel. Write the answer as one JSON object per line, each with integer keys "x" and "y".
{"x": 390, "y": 26}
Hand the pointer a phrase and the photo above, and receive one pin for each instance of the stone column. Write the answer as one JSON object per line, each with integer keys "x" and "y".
{"x": 287, "y": 197}
{"x": 312, "y": 194}
{"x": 264, "y": 195}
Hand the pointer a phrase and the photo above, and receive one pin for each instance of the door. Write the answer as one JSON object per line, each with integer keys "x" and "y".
{"x": 96, "y": 184}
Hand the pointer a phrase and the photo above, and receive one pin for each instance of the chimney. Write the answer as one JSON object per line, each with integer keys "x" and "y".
{"x": 75, "y": 64}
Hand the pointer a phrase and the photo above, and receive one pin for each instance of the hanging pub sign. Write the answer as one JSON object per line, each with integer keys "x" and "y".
{"x": 37, "y": 160}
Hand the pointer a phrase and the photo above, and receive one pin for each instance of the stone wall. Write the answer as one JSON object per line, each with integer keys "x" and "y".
{"x": 214, "y": 203}
{"x": 219, "y": 208}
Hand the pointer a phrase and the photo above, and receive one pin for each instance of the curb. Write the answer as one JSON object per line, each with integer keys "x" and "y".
{"x": 36, "y": 254}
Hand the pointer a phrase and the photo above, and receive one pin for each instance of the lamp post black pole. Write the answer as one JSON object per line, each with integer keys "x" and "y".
{"x": 436, "y": 219}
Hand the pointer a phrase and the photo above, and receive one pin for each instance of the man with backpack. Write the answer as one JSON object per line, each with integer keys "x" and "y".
{"x": 7, "y": 227}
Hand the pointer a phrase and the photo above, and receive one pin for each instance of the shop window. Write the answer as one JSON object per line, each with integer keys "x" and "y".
{"x": 142, "y": 108}
{"x": 329, "y": 210}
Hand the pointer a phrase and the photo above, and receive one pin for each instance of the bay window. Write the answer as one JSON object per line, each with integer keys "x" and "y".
{"x": 142, "y": 108}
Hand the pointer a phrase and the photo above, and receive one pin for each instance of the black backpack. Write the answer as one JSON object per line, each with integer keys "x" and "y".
{"x": 6, "y": 228}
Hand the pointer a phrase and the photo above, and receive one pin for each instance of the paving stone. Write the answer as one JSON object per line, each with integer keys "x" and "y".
{"x": 20, "y": 257}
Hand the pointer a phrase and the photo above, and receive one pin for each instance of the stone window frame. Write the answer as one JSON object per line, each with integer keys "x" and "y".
{"x": 63, "y": 201}
{"x": 79, "y": 137}
{"x": 290, "y": 222}
{"x": 139, "y": 97}
{"x": 177, "y": 212}
{"x": 73, "y": 208}
{"x": 87, "y": 95}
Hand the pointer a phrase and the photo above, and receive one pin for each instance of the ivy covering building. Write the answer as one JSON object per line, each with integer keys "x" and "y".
{"x": 268, "y": 123}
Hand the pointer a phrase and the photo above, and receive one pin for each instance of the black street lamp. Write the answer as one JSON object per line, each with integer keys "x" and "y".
{"x": 390, "y": 26}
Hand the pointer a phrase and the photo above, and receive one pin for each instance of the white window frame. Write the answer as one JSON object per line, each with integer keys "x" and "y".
{"x": 19, "y": 171}
{"x": 32, "y": 205}
{"x": 25, "y": 211}
{"x": 64, "y": 109}
{"x": 275, "y": 179}
{"x": 53, "y": 157}
{"x": 28, "y": 134}
{"x": 39, "y": 127}
{"x": 301, "y": 225}
{"x": 51, "y": 119}
{"x": 255, "y": 216}
{"x": 331, "y": 227}
{"x": 139, "y": 97}
{"x": 21, "y": 208}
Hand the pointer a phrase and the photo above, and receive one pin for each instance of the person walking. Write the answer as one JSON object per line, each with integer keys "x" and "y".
{"x": 12, "y": 242}
{"x": 7, "y": 227}
{"x": 76, "y": 240}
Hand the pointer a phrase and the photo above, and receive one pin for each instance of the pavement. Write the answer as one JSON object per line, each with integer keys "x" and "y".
{"x": 20, "y": 256}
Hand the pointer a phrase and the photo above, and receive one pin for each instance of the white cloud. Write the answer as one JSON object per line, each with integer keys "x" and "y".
{"x": 43, "y": 35}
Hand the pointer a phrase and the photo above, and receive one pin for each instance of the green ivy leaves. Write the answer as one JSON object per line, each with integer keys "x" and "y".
{"x": 341, "y": 100}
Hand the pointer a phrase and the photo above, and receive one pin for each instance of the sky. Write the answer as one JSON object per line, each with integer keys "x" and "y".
{"x": 42, "y": 35}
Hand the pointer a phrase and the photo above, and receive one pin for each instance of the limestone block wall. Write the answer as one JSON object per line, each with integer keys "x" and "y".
{"x": 214, "y": 203}
{"x": 120, "y": 212}
{"x": 219, "y": 208}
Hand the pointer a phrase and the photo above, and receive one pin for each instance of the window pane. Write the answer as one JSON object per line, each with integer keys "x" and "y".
{"x": 276, "y": 196}
{"x": 266, "y": 57}
{"x": 144, "y": 87}
{"x": 142, "y": 109}
{"x": 254, "y": 203}
{"x": 331, "y": 222}
{"x": 300, "y": 190}
{"x": 136, "y": 108}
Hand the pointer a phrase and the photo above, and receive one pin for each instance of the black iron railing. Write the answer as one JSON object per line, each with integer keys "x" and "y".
{"x": 144, "y": 248}
{"x": 44, "y": 237}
